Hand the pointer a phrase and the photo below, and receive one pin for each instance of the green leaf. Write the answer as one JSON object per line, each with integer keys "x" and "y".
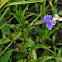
{"x": 38, "y": 29}
{"x": 58, "y": 59}
{"x": 34, "y": 55}
{"x": 20, "y": 55}
{"x": 60, "y": 12}
{"x": 4, "y": 41}
{"x": 16, "y": 16}
{"x": 59, "y": 53}
{"x": 44, "y": 58}
{"x": 59, "y": 44}
{"x": 4, "y": 14}
{"x": 22, "y": 2}
{"x": 22, "y": 15}
{"x": 6, "y": 56}
{"x": 30, "y": 42}
{"x": 22, "y": 60}
{"x": 18, "y": 12}
{"x": 5, "y": 30}
{"x": 20, "y": 9}
{"x": 37, "y": 46}
{"x": 3, "y": 2}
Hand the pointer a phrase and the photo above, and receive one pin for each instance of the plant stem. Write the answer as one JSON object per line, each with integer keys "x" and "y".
{"x": 6, "y": 48}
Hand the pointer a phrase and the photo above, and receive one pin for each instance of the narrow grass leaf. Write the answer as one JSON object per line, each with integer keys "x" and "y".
{"x": 4, "y": 13}
{"x": 22, "y": 2}
{"x": 3, "y": 2}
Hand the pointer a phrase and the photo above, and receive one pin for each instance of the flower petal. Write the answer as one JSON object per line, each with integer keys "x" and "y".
{"x": 55, "y": 17}
{"x": 53, "y": 22}
{"x": 44, "y": 21}
{"x": 49, "y": 26}
{"x": 47, "y": 17}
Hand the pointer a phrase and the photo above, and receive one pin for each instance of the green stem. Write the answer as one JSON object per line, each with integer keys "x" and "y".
{"x": 44, "y": 5}
{"x": 6, "y": 48}
{"x": 6, "y": 22}
{"x": 34, "y": 20}
{"x": 17, "y": 36}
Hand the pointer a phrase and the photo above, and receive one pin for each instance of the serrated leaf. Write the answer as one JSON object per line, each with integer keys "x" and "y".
{"x": 4, "y": 41}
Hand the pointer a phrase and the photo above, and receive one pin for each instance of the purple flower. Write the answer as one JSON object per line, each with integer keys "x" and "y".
{"x": 18, "y": 48}
{"x": 49, "y": 23}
